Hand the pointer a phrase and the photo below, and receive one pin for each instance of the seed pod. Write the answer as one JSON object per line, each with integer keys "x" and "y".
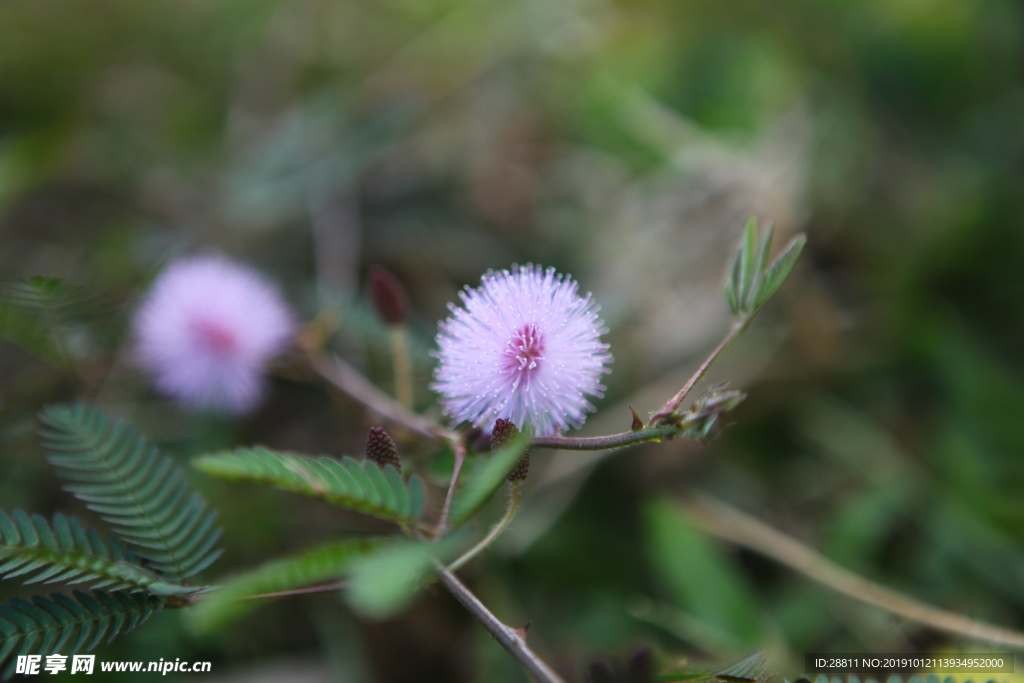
{"x": 381, "y": 449}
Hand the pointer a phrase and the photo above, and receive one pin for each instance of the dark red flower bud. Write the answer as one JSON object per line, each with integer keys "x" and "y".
{"x": 388, "y": 295}
{"x": 381, "y": 449}
{"x": 504, "y": 430}
{"x": 521, "y": 469}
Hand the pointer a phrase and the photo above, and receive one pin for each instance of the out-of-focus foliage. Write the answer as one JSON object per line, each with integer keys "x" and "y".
{"x": 311, "y": 567}
{"x": 626, "y": 143}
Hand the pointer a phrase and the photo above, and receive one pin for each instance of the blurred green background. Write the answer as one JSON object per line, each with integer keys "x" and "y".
{"x": 625, "y": 143}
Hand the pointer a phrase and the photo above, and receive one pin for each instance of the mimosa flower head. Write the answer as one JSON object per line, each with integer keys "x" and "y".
{"x": 525, "y": 347}
{"x": 206, "y": 329}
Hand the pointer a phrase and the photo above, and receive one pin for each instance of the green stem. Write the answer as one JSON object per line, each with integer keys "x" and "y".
{"x": 498, "y": 530}
{"x": 460, "y": 457}
{"x": 402, "y": 365}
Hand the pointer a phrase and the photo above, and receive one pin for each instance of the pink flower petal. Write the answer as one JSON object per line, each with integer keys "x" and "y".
{"x": 526, "y": 348}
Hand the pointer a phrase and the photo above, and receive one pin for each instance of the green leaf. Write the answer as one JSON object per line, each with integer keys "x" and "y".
{"x": 311, "y": 566}
{"x": 764, "y": 249}
{"x": 66, "y": 553}
{"x": 730, "y": 297}
{"x": 752, "y": 281}
{"x": 401, "y": 494}
{"x": 384, "y": 581}
{"x": 487, "y": 477}
{"x": 346, "y": 483}
{"x": 733, "y": 286}
{"x": 416, "y": 497}
{"x": 698, "y": 576}
{"x": 748, "y": 260}
{"x": 134, "y": 487}
{"x": 41, "y": 315}
{"x": 751, "y": 667}
{"x": 69, "y": 624}
{"x": 770, "y": 280}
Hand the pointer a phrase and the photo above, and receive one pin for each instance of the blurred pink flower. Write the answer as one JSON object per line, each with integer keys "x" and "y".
{"x": 526, "y": 348}
{"x": 206, "y": 329}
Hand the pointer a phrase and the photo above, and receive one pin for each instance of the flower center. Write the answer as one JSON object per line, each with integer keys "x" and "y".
{"x": 216, "y": 337}
{"x": 525, "y": 350}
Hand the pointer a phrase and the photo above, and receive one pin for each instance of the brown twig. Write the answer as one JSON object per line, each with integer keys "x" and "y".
{"x": 657, "y": 428}
{"x": 604, "y": 443}
{"x": 345, "y": 377}
{"x": 673, "y": 403}
{"x": 737, "y": 527}
{"x": 513, "y": 640}
{"x": 310, "y": 590}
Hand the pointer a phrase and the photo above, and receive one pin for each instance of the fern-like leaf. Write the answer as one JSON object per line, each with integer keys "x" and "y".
{"x": 69, "y": 625}
{"x": 311, "y": 566}
{"x": 363, "y": 487}
{"x": 67, "y": 552}
{"x": 134, "y": 487}
{"x": 40, "y": 314}
{"x": 751, "y": 668}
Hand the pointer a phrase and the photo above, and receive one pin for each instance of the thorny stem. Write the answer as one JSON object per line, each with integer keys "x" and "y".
{"x": 673, "y": 403}
{"x": 402, "y": 365}
{"x": 656, "y": 429}
{"x": 498, "y": 530}
{"x": 513, "y": 640}
{"x": 604, "y": 443}
{"x": 737, "y": 527}
{"x": 459, "y": 449}
{"x": 345, "y": 377}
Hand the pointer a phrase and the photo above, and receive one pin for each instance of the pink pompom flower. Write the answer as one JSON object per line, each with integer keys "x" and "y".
{"x": 206, "y": 329}
{"x": 526, "y": 348}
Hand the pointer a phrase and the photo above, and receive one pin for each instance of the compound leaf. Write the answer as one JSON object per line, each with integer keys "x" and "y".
{"x": 134, "y": 487}
{"x": 38, "y": 553}
{"x": 46, "y": 625}
{"x": 364, "y": 487}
